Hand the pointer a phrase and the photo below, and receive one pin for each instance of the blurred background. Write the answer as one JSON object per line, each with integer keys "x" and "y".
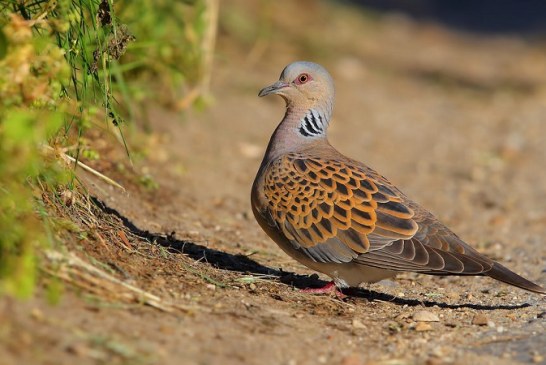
{"x": 492, "y": 17}
{"x": 151, "y": 107}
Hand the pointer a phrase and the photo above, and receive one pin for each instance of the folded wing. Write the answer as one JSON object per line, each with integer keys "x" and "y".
{"x": 339, "y": 211}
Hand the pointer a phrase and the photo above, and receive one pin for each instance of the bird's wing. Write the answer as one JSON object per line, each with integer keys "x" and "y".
{"x": 339, "y": 211}
{"x": 333, "y": 210}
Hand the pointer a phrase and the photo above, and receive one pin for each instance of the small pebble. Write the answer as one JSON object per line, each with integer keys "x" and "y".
{"x": 78, "y": 349}
{"x": 166, "y": 330}
{"x": 425, "y": 316}
{"x": 252, "y": 286}
{"x": 358, "y": 324}
{"x": 538, "y": 359}
{"x": 37, "y": 314}
{"x": 480, "y": 319}
{"x": 388, "y": 283}
{"x": 422, "y": 327}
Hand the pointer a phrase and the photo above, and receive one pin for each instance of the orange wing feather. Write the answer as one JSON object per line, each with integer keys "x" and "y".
{"x": 313, "y": 201}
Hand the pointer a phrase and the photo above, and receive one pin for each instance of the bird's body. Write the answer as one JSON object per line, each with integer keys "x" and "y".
{"x": 337, "y": 216}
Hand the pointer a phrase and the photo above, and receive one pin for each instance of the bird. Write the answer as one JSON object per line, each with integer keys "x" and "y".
{"x": 340, "y": 217}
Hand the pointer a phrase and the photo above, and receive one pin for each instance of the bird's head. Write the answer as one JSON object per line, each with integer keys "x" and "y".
{"x": 304, "y": 85}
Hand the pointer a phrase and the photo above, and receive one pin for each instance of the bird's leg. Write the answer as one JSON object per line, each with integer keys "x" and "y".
{"x": 326, "y": 289}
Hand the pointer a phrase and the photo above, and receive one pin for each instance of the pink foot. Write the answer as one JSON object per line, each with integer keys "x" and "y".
{"x": 326, "y": 289}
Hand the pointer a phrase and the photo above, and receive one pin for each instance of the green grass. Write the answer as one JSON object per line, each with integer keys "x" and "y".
{"x": 67, "y": 66}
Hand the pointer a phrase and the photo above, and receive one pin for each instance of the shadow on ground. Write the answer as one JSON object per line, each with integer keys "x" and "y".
{"x": 243, "y": 264}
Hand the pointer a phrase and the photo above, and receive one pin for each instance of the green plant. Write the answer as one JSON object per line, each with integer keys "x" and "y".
{"x": 62, "y": 73}
{"x": 30, "y": 73}
{"x": 174, "y": 41}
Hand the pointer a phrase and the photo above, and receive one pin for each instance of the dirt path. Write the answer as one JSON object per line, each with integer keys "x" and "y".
{"x": 458, "y": 123}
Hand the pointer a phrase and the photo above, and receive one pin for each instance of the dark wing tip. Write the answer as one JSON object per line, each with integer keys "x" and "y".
{"x": 507, "y": 276}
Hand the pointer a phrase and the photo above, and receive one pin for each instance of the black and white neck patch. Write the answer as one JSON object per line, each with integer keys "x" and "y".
{"x": 313, "y": 124}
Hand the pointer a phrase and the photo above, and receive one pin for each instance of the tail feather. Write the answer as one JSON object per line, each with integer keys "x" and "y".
{"x": 507, "y": 276}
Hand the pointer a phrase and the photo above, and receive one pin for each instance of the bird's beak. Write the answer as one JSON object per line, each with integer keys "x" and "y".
{"x": 272, "y": 89}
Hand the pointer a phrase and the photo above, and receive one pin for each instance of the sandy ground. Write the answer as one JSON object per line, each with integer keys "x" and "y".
{"x": 456, "y": 121}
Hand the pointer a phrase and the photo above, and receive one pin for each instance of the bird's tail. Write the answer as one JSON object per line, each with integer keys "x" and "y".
{"x": 507, "y": 276}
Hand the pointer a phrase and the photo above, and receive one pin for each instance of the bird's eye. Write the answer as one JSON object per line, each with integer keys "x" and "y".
{"x": 302, "y": 79}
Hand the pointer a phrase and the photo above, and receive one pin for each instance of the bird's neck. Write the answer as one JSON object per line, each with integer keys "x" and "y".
{"x": 299, "y": 129}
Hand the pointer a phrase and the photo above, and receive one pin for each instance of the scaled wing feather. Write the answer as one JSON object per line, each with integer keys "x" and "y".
{"x": 340, "y": 211}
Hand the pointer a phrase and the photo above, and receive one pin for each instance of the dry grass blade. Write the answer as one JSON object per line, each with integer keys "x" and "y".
{"x": 69, "y": 160}
{"x": 82, "y": 274}
{"x": 207, "y": 45}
